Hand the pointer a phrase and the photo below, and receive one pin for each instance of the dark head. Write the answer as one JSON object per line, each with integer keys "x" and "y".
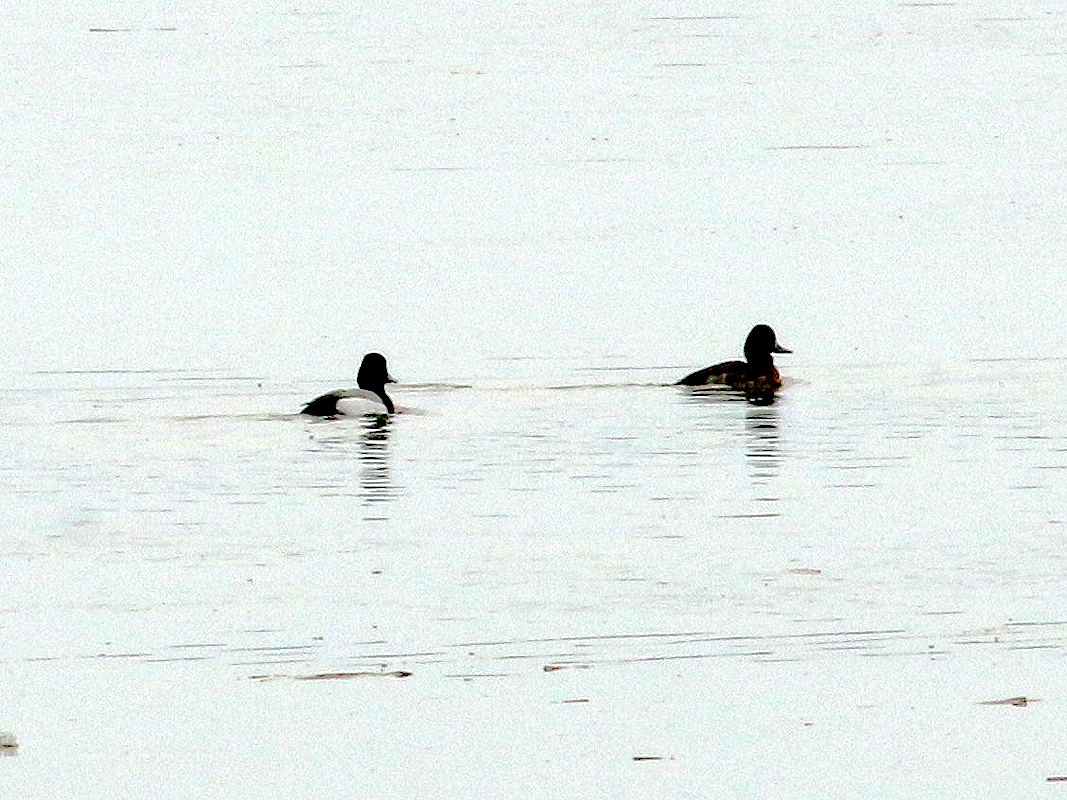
{"x": 373, "y": 375}
{"x": 761, "y": 342}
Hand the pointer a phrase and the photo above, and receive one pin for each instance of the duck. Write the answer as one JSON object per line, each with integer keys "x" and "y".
{"x": 756, "y": 376}
{"x": 369, "y": 398}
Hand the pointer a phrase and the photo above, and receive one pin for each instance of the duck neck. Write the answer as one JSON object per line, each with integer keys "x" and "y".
{"x": 385, "y": 399}
{"x": 759, "y": 364}
{"x": 376, "y": 388}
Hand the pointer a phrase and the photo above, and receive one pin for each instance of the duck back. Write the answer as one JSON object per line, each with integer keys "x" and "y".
{"x": 717, "y": 374}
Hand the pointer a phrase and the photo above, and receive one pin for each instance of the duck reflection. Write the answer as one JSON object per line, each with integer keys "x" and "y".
{"x": 762, "y": 442}
{"x": 366, "y": 439}
{"x": 375, "y": 474}
{"x": 761, "y": 435}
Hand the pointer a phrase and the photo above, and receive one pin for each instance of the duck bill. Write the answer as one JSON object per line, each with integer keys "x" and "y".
{"x": 390, "y": 379}
{"x": 779, "y": 349}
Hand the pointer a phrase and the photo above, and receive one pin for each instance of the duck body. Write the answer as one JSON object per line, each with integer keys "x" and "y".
{"x": 756, "y": 376}
{"x": 369, "y": 398}
{"x": 346, "y": 403}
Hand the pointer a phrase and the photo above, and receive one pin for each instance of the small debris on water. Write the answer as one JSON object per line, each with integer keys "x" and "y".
{"x": 554, "y": 667}
{"x": 325, "y": 676}
{"x": 8, "y": 740}
{"x": 1009, "y": 701}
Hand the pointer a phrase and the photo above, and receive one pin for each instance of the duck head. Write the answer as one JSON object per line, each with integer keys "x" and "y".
{"x": 761, "y": 342}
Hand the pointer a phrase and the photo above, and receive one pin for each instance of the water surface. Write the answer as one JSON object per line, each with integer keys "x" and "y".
{"x": 555, "y": 575}
{"x": 531, "y": 582}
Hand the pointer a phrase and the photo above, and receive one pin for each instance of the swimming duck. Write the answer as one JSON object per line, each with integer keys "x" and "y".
{"x": 369, "y": 398}
{"x": 756, "y": 376}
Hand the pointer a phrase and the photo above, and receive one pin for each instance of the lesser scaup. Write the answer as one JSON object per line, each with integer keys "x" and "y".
{"x": 369, "y": 398}
{"x": 756, "y": 376}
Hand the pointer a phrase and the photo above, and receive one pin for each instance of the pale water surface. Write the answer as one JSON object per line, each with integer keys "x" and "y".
{"x": 555, "y": 575}
{"x": 559, "y": 580}
{"x": 278, "y": 187}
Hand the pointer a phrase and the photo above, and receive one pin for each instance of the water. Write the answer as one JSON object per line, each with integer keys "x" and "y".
{"x": 554, "y": 575}
{"x": 533, "y": 579}
{"x": 279, "y": 189}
